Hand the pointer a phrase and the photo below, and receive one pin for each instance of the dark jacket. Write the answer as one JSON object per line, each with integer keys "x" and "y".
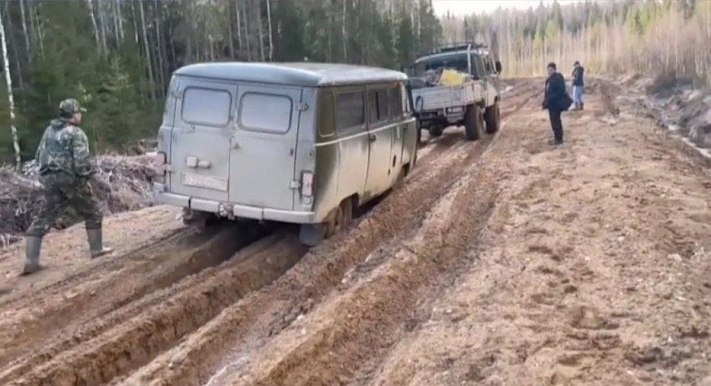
{"x": 556, "y": 97}
{"x": 578, "y": 73}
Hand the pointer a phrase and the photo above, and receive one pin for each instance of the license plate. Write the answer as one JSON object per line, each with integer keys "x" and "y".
{"x": 455, "y": 109}
{"x": 207, "y": 182}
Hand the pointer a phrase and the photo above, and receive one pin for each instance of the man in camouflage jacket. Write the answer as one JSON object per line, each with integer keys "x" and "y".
{"x": 65, "y": 170}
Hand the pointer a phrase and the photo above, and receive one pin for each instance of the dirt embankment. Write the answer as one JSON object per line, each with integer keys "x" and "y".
{"x": 501, "y": 262}
{"x": 678, "y": 105}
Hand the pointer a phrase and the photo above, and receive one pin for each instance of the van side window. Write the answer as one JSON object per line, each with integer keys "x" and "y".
{"x": 203, "y": 106}
{"x": 350, "y": 111}
{"x": 252, "y": 114}
{"x": 394, "y": 103}
{"x": 326, "y": 116}
{"x": 377, "y": 105}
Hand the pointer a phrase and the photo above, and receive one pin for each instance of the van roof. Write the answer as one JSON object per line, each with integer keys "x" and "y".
{"x": 308, "y": 74}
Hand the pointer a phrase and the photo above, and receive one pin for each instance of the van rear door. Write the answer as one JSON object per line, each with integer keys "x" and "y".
{"x": 200, "y": 143}
{"x": 264, "y": 146}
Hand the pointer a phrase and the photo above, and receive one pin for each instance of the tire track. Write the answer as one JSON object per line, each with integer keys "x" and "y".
{"x": 131, "y": 336}
{"x": 363, "y": 321}
{"x": 81, "y": 297}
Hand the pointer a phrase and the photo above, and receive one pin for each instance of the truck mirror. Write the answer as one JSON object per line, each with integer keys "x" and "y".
{"x": 498, "y": 66}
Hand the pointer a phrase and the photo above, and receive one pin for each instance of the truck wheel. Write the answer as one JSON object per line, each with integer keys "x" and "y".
{"x": 436, "y": 131}
{"x": 473, "y": 122}
{"x": 419, "y": 135}
{"x": 492, "y": 116}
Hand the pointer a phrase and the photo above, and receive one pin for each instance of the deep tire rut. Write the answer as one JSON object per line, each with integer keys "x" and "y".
{"x": 132, "y": 336}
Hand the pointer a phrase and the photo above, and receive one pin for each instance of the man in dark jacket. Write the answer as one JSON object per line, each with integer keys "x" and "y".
{"x": 556, "y": 101}
{"x": 578, "y": 85}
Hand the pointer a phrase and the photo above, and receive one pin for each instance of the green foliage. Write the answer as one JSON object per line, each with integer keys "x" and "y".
{"x": 121, "y": 73}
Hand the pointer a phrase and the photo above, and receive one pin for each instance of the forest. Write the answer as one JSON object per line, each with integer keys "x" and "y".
{"x": 116, "y": 56}
{"x": 653, "y": 37}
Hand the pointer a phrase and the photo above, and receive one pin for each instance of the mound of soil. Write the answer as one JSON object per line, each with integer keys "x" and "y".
{"x": 21, "y": 193}
{"x": 684, "y": 108}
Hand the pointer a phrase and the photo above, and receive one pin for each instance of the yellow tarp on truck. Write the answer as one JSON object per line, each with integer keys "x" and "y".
{"x": 452, "y": 78}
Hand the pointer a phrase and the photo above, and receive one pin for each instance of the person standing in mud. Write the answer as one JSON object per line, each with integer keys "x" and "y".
{"x": 578, "y": 85}
{"x": 65, "y": 169}
{"x": 556, "y": 101}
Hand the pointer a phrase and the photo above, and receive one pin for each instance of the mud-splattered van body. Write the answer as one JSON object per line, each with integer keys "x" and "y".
{"x": 303, "y": 143}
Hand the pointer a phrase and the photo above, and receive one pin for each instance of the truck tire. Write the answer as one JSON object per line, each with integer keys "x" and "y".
{"x": 473, "y": 122}
{"x": 436, "y": 131}
{"x": 492, "y": 116}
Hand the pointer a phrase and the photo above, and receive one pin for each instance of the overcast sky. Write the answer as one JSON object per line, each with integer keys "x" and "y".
{"x": 466, "y": 7}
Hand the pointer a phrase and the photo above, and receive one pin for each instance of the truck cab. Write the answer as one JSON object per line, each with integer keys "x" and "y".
{"x": 474, "y": 103}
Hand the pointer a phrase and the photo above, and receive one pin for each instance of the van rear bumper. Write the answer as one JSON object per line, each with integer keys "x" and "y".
{"x": 241, "y": 211}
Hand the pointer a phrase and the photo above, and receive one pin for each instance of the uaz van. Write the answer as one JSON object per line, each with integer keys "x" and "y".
{"x": 302, "y": 143}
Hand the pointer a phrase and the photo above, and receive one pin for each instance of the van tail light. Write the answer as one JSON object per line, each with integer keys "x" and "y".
{"x": 308, "y": 184}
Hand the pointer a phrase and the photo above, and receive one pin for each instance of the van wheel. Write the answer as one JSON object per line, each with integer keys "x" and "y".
{"x": 492, "y": 116}
{"x": 342, "y": 217}
{"x": 400, "y": 180}
{"x": 436, "y": 131}
{"x": 473, "y": 122}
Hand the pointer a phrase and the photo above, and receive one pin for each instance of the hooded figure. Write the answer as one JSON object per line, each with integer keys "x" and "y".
{"x": 65, "y": 169}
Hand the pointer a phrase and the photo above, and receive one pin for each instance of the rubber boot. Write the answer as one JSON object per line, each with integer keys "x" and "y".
{"x": 33, "y": 245}
{"x": 96, "y": 245}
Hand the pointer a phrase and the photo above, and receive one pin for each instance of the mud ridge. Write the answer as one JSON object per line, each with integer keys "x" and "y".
{"x": 179, "y": 238}
{"x": 131, "y": 337}
{"x": 67, "y": 303}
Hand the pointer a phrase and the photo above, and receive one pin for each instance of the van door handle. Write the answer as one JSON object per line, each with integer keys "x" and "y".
{"x": 372, "y": 137}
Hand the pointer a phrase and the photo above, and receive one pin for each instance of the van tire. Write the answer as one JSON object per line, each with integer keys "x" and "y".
{"x": 492, "y": 116}
{"x": 436, "y": 131}
{"x": 400, "y": 180}
{"x": 473, "y": 122}
{"x": 340, "y": 219}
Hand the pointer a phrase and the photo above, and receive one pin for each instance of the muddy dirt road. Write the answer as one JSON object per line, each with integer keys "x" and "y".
{"x": 500, "y": 262}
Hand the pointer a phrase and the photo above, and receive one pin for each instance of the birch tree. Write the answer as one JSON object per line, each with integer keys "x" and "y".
{"x": 10, "y": 96}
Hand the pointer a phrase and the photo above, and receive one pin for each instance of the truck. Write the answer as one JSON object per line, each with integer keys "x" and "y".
{"x": 474, "y": 103}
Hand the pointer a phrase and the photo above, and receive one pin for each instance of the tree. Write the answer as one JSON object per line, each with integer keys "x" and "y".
{"x": 10, "y": 97}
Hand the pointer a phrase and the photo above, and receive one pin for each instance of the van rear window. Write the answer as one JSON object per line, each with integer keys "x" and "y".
{"x": 265, "y": 112}
{"x": 202, "y": 106}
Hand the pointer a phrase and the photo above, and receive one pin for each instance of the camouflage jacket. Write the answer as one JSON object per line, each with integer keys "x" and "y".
{"x": 64, "y": 147}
